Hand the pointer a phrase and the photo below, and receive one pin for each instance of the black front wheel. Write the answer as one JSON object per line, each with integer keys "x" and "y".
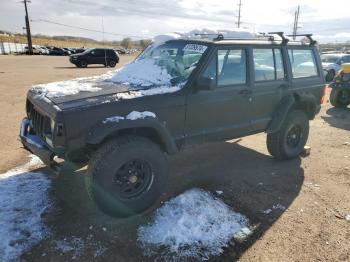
{"x": 126, "y": 175}
{"x": 290, "y": 140}
{"x": 340, "y": 98}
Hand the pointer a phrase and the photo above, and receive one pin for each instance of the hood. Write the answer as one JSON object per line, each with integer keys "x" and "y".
{"x": 325, "y": 65}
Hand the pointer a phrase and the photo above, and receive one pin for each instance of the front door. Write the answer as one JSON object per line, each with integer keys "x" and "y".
{"x": 220, "y": 113}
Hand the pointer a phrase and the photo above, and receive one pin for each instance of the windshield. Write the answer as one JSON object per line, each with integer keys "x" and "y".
{"x": 177, "y": 59}
{"x": 329, "y": 58}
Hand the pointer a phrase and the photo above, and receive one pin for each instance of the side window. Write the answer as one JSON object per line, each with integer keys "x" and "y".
{"x": 228, "y": 67}
{"x": 268, "y": 64}
{"x": 231, "y": 67}
{"x": 346, "y": 59}
{"x": 303, "y": 63}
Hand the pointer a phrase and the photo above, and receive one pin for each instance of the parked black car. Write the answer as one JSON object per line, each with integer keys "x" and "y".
{"x": 106, "y": 57}
{"x": 225, "y": 89}
{"x": 56, "y": 51}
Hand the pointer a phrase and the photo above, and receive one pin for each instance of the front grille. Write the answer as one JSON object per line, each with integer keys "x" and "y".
{"x": 39, "y": 123}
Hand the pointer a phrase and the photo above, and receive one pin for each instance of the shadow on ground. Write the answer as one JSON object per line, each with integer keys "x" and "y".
{"x": 79, "y": 68}
{"x": 338, "y": 117}
{"x": 251, "y": 183}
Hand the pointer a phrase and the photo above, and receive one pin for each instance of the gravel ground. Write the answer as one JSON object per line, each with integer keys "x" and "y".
{"x": 298, "y": 207}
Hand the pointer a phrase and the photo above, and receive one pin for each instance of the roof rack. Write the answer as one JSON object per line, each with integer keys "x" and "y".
{"x": 308, "y": 36}
{"x": 281, "y": 34}
{"x": 218, "y": 36}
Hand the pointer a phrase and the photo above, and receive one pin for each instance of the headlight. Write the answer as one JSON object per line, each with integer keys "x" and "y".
{"x": 52, "y": 126}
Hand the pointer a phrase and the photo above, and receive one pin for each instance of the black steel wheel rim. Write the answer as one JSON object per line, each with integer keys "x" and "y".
{"x": 133, "y": 178}
{"x": 294, "y": 136}
{"x": 343, "y": 97}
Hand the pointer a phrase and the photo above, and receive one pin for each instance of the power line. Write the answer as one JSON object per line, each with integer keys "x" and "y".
{"x": 86, "y": 29}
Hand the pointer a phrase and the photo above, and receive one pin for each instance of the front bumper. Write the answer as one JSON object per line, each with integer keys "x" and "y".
{"x": 35, "y": 144}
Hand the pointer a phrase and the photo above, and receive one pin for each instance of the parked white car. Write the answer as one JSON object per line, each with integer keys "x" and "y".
{"x": 331, "y": 64}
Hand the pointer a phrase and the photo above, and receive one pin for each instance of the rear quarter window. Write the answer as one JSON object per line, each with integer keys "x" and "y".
{"x": 303, "y": 63}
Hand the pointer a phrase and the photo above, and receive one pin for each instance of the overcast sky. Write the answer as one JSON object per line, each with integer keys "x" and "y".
{"x": 329, "y": 21}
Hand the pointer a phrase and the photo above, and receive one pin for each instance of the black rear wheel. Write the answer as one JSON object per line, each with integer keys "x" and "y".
{"x": 126, "y": 175}
{"x": 290, "y": 140}
{"x": 112, "y": 63}
{"x": 340, "y": 98}
{"x": 83, "y": 64}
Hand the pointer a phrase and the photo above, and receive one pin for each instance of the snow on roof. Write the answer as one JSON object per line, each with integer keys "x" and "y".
{"x": 195, "y": 34}
{"x": 194, "y": 225}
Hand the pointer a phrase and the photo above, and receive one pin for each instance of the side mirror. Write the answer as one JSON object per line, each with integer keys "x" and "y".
{"x": 206, "y": 83}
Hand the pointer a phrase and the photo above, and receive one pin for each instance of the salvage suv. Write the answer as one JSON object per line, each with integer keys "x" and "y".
{"x": 177, "y": 93}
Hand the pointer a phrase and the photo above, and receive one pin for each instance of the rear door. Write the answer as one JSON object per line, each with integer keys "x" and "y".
{"x": 270, "y": 83}
{"x": 220, "y": 113}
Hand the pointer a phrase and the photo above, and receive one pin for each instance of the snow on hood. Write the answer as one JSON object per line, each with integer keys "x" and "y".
{"x": 142, "y": 72}
{"x": 71, "y": 87}
{"x": 195, "y": 225}
{"x": 23, "y": 199}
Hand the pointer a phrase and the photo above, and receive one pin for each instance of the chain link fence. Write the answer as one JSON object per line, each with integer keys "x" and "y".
{"x": 11, "y": 48}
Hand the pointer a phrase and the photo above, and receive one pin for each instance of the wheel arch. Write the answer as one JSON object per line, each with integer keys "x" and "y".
{"x": 304, "y": 102}
{"x": 149, "y": 128}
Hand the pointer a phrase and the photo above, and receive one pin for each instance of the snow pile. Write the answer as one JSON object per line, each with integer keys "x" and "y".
{"x": 131, "y": 116}
{"x": 142, "y": 72}
{"x": 148, "y": 92}
{"x": 71, "y": 87}
{"x": 193, "y": 225}
{"x": 23, "y": 199}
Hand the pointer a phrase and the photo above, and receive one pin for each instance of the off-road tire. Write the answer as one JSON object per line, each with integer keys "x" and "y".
{"x": 83, "y": 64}
{"x": 278, "y": 143}
{"x": 109, "y": 159}
{"x": 338, "y": 99}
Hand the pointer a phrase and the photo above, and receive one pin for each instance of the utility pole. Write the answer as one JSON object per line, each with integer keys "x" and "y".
{"x": 239, "y": 14}
{"x": 29, "y": 35}
{"x": 296, "y": 22}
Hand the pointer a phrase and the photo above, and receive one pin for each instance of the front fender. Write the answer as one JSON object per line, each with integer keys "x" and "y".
{"x": 101, "y": 131}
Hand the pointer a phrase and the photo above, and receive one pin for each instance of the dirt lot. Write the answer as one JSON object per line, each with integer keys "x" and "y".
{"x": 315, "y": 190}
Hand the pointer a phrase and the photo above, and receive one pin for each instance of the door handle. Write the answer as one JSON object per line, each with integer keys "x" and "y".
{"x": 245, "y": 92}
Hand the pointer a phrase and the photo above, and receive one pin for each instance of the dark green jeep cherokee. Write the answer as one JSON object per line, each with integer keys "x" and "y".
{"x": 216, "y": 90}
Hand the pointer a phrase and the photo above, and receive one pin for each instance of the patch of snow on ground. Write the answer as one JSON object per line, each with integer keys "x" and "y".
{"x": 279, "y": 207}
{"x": 23, "y": 199}
{"x": 194, "y": 224}
{"x": 76, "y": 246}
{"x": 131, "y": 116}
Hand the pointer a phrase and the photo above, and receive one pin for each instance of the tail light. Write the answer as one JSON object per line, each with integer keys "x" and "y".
{"x": 324, "y": 99}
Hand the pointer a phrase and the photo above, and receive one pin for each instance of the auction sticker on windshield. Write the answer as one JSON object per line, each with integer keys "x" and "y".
{"x": 195, "y": 48}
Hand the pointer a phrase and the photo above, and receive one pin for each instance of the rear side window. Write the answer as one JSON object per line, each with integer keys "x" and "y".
{"x": 303, "y": 63}
{"x": 268, "y": 64}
